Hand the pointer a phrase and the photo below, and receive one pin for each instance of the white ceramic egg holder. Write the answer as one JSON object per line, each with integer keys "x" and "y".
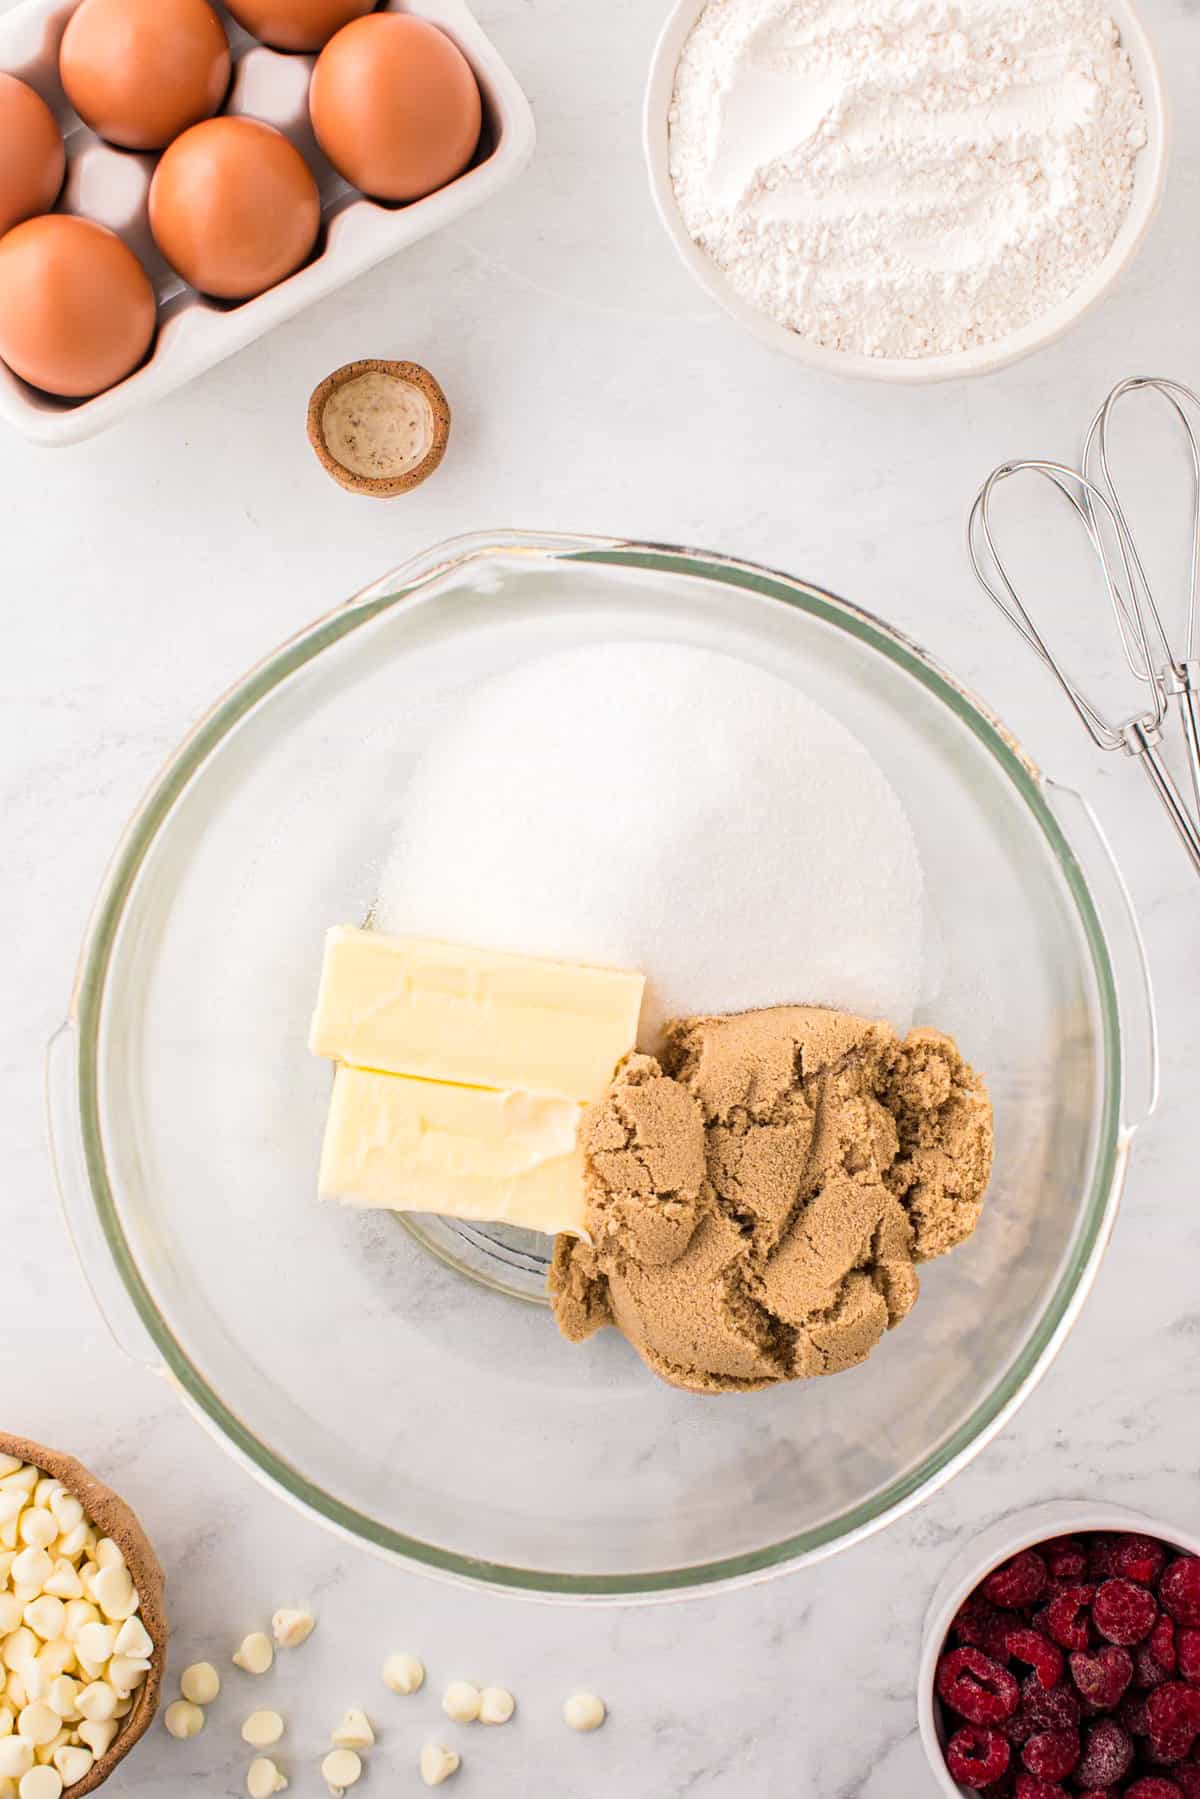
{"x": 111, "y": 186}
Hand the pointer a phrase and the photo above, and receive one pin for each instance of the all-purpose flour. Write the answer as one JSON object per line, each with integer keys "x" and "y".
{"x": 905, "y": 177}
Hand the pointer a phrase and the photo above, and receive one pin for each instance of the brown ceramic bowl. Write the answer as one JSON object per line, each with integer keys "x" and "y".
{"x": 435, "y": 427}
{"x": 110, "y": 1514}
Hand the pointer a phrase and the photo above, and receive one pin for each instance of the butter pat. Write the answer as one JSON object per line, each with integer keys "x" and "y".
{"x": 426, "y": 1146}
{"x": 479, "y": 1018}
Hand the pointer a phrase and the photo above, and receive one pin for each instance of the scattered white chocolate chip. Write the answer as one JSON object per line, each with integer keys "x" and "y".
{"x": 262, "y": 1729}
{"x": 263, "y": 1778}
{"x": 496, "y": 1705}
{"x": 183, "y": 1719}
{"x": 41, "y": 1783}
{"x": 403, "y": 1674}
{"x": 291, "y": 1628}
{"x": 200, "y": 1683}
{"x": 341, "y": 1769}
{"x": 437, "y": 1764}
{"x": 254, "y": 1653}
{"x": 461, "y": 1701}
{"x": 583, "y": 1711}
{"x": 354, "y": 1732}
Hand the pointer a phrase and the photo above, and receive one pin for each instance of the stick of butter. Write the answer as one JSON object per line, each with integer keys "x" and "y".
{"x": 426, "y": 1146}
{"x": 480, "y": 1018}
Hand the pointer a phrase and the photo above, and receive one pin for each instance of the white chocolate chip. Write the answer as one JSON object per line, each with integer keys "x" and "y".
{"x": 115, "y": 1593}
{"x": 39, "y": 1723}
{"x": 340, "y": 1769}
{"x": 98, "y": 1734}
{"x": 108, "y": 1554}
{"x": 133, "y": 1639}
{"x": 31, "y": 1568}
{"x": 10, "y": 1464}
{"x": 73, "y": 1541}
{"x": 62, "y": 1696}
{"x": 97, "y": 1702}
{"x": 10, "y": 1614}
{"x": 64, "y": 1583}
{"x": 182, "y": 1719}
{"x": 263, "y": 1778}
{"x": 41, "y": 1783}
{"x": 6, "y": 1720}
{"x": 37, "y": 1528}
{"x": 291, "y": 1628}
{"x": 126, "y": 1674}
{"x": 262, "y": 1729}
{"x": 73, "y": 1763}
{"x": 45, "y": 1489}
{"x": 23, "y": 1479}
{"x": 78, "y": 1613}
{"x": 200, "y": 1683}
{"x": 16, "y": 1757}
{"x": 461, "y": 1701}
{"x": 583, "y": 1711}
{"x": 12, "y": 1504}
{"x": 45, "y": 1616}
{"x": 94, "y": 1643}
{"x": 67, "y": 1510}
{"x": 354, "y": 1732}
{"x": 254, "y": 1653}
{"x": 496, "y": 1705}
{"x": 437, "y": 1764}
{"x": 403, "y": 1674}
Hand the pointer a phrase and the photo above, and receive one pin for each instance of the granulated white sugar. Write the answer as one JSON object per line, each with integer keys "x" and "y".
{"x": 671, "y": 810}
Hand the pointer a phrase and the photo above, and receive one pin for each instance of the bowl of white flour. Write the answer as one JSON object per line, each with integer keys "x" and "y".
{"x": 906, "y": 190}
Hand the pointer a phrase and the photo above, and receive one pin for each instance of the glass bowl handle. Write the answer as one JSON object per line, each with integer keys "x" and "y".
{"x": 94, "y": 1254}
{"x": 1123, "y": 935}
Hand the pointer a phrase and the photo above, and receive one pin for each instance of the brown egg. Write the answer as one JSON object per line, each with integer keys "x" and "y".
{"x": 76, "y": 306}
{"x": 141, "y": 71}
{"x": 296, "y": 24}
{"x": 234, "y": 207}
{"x": 395, "y": 106}
{"x": 32, "y": 158}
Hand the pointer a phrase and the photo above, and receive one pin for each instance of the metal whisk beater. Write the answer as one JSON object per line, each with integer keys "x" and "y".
{"x": 1140, "y": 732}
{"x": 1178, "y": 677}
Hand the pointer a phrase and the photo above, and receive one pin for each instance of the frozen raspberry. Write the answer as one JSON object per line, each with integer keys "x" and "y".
{"x": 1030, "y": 1646}
{"x": 1123, "y": 1612}
{"x": 1017, "y": 1582}
{"x": 1187, "y": 1651}
{"x": 1065, "y": 1558}
{"x": 1161, "y": 1645}
{"x": 1051, "y": 1754}
{"x": 1102, "y": 1547}
{"x": 1030, "y": 1787}
{"x": 977, "y": 1756}
{"x": 1187, "y": 1777}
{"x": 1139, "y": 1558}
{"x": 1102, "y": 1676}
{"x": 977, "y": 1687}
{"x": 1100, "y": 1793}
{"x": 1152, "y": 1786}
{"x": 1107, "y": 1754}
{"x": 1179, "y": 1590}
{"x": 1132, "y": 1714}
{"x": 1067, "y": 1619}
{"x": 1057, "y": 1709}
{"x": 1173, "y": 1712}
{"x": 982, "y": 1625}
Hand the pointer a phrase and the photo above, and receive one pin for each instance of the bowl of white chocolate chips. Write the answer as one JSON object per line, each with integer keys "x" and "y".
{"x": 83, "y": 1633}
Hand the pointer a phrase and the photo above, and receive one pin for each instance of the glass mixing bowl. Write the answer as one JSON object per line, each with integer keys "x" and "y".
{"x": 397, "y": 1382}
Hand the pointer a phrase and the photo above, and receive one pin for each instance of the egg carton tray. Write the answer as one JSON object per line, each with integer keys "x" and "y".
{"x": 112, "y": 185}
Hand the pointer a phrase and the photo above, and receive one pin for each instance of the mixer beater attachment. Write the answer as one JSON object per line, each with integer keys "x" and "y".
{"x": 1144, "y": 641}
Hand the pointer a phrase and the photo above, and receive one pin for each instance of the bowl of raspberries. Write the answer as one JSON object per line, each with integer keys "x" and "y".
{"x": 1065, "y": 1662}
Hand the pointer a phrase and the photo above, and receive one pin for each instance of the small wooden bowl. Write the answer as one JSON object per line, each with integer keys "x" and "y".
{"x": 386, "y": 486}
{"x": 113, "y": 1518}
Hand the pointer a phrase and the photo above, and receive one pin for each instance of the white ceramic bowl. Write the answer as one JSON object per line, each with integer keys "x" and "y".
{"x": 1023, "y": 1530}
{"x": 1150, "y": 181}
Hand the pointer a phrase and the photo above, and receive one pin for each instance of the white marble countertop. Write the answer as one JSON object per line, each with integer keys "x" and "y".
{"x": 594, "y": 390}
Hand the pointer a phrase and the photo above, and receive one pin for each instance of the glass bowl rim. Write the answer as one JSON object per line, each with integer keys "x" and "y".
{"x": 445, "y": 561}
